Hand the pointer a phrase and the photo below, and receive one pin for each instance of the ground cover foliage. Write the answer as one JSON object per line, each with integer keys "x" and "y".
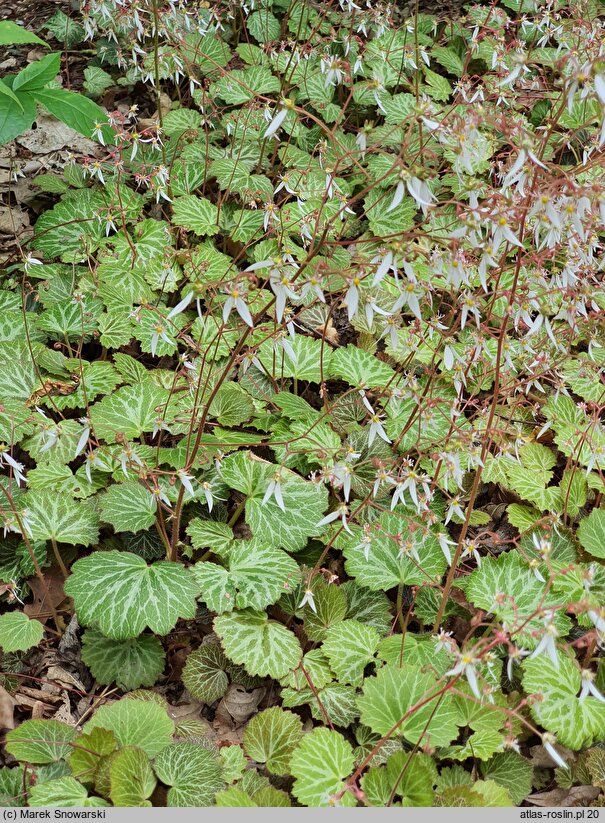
{"x": 301, "y": 384}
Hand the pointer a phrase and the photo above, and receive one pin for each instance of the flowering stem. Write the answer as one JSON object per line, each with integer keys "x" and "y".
{"x": 58, "y": 558}
{"x": 238, "y": 512}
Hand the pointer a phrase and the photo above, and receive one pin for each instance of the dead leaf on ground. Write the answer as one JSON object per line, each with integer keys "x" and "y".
{"x": 13, "y": 220}
{"x": 51, "y": 135}
{"x": 576, "y": 796}
{"x": 7, "y": 707}
{"x": 41, "y": 608}
{"x": 238, "y": 705}
{"x": 541, "y": 758}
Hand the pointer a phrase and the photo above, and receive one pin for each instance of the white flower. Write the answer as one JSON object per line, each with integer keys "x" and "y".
{"x": 466, "y": 665}
{"x": 159, "y": 331}
{"x": 365, "y": 542}
{"x": 274, "y": 490}
{"x": 588, "y": 686}
{"x": 30, "y": 261}
{"x": 160, "y": 495}
{"x": 376, "y": 428}
{"x": 341, "y": 512}
{"x": 444, "y": 642}
{"x": 454, "y": 509}
{"x": 236, "y": 300}
{"x": 514, "y": 655}
{"x": 278, "y": 119}
{"x": 186, "y": 481}
{"x": 97, "y": 132}
{"x": 129, "y": 456}
{"x": 308, "y": 599}
{"x": 15, "y": 466}
{"x": 548, "y": 741}
{"x": 444, "y": 544}
{"x": 548, "y": 642}
{"x": 471, "y": 550}
{"x": 84, "y": 437}
{"x": 93, "y": 459}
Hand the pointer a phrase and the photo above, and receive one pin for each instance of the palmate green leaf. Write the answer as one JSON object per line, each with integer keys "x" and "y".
{"x": 384, "y": 223}
{"x": 262, "y": 646}
{"x": 263, "y": 26}
{"x": 320, "y": 764}
{"x": 231, "y": 405}
{"x": 130, "y": 410}
{"x": 350, "y": 646}
{"x": 233, "y": 763}
{"x": 269, "y": 524}
{"x": 388, "y": 565}
{"x": 129, "y": 664}
{"x": 271, "y": 736}
{"x": 394, "y": 691}
{"x": 360, "y": 368}
{"x": 524, "y": 595}
{"x": 255, "y": 577}
{"x": 591, "y": 533}
{"x": 313, "y": 358}
{"x": 131, "y": 778}
{"x": 64, "y": 791}
{"x": 192, "y": 772}
{"x": 18, "y": 632}
{"x": 512, "y": 771}
{"x": 123, "y": 595}
{"x": 17, "y": 373}
{"x": 576, "y": 723}
{"x": 40, "y": 741}
{"x": 88, "y": 752}
{"x": 129, "y": 507}
{"x": 70, "y": 230}
{"x": 139, "y": 723}
{"x": 96, "y": 81}
{"x": 11, "y": 787}
{"x": 238, "y": 86}
{"x": 338, "y": 703}
{"x": 212, "y": 534}
{"x": 58, "y": 517}
{"x": 195, "y": 214}
{"x": 370, "y": 608}
{"x": 96, "y": 378}
{"x": 205, "y": 673}
{"x": 480, "y": 745}
{"x": 330, "y": 610}
{"x": 405, "y": 776}
{"x": 15, "y": 421}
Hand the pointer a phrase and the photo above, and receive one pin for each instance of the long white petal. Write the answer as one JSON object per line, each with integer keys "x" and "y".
{"x": 276, "y": 122}
{"x": 181, "y": 306}
{"x": 397, "y": 197}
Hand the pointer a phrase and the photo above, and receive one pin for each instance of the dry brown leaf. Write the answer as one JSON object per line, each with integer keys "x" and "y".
{"x": 7, "y": 707}
{"x": 576, "y": 796}
{"x": 238, "y": 705}
{"x": 41, "y": 609}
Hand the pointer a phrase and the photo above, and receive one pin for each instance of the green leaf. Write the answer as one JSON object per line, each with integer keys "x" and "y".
{"x": 320, "y": 763}
{"x": 256, "y": 577}
{"x": 383, "y": 222}
{"x": 350, "y": 646}
{"x": 8, "y": 92}
{"x": 507, "y": 587}
{"x": 59, "y": 517}
{"x": 591, "y": 533}
{"x": 269, "y": 524}
{"x": 449, "y": 59}
{"x": 88, "y": 753}
{"x": 195, "y": 214}
{"x": 406, "y": 776}
{"x": 65, "y": 29}
{"x": 576, "y": 723}
{"x": 233, "y": 763}
{"x": 137, "y": 723}
{"x": 68, "y": 231}
{"x": 11, "y": 787}
{"x": 205, "y": 673}
{"x": 123, "y": 595}
{"x": 512, "y": 771}
{"x": 78, "y": 112}
{"x": 18, "y": 633}
{"x": 231, "y": 405}
{"x": 38, "y": 73}
{"x": 129, "y": 664}
{"x": 129, "y": 507}
{"x": 65, "y": 791}
{"x": 131, "y": 778}
{"x": 96, "y": 81}
{"x": 206, "y": 534}
{"x": 192, "y": 773}
{"x": 312, "y": 359}
{"x": 389, "y": 562}
{"x": 359, "y": 368}
{"x": 15, "y": 116}
{"x": 330, "y": 610}
{"x": 12, "y": 34}
{"x": 271, "y": 736}
{"x": 394, "y": 691}
{"x": 262, "y": 646}
{"x": 263, "y": 26}
{"x": 130, "y": 410}
{"x": 40, "y": 741}
{"x": 438, "y": 87}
